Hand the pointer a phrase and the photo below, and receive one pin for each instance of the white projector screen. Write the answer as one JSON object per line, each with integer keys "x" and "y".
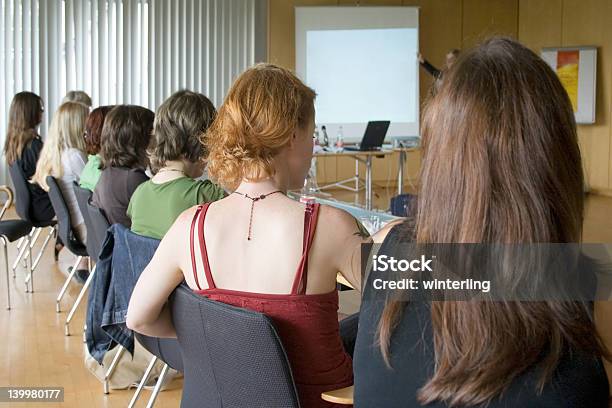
{"x": 362, "y": 62}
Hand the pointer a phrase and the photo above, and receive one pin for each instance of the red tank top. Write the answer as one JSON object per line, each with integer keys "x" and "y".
{"x": 307, "y": 324}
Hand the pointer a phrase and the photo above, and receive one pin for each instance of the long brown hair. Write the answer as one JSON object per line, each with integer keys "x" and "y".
{"x": 501, "y": 164}
{"x": 25, "y": 115}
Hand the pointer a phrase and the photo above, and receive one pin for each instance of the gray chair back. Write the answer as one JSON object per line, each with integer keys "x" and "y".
{"x": 232, "y": 357}
{"x": 99, "y": 226}
{"x": 65, "y": 231}
{"x": 83, "y": 197}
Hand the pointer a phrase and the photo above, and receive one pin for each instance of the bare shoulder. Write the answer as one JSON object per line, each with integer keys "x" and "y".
{"x": 380, "y": 235}
{"x": 333, "y": 218}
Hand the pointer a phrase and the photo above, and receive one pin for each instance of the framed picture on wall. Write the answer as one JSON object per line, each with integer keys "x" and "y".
{"x": 577, "y": 70}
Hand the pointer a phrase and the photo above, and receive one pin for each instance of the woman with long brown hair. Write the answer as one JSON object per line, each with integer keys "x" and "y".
{"x": 23, "y": 145}
{"x": 501, "y": 164}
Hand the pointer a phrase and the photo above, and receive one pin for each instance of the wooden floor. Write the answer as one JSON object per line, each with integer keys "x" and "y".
{"x": 35, "y": 351}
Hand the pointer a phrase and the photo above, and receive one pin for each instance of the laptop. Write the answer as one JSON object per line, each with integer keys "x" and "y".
{"x": 373, "y": 138}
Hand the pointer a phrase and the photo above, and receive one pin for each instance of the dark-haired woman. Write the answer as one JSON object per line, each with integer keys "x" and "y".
{"x": 125, "y": 138}
{"x": 501, "y": 164}
{"x": 23, "y": 146}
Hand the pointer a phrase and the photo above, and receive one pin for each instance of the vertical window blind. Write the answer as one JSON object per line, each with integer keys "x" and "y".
{"x": 125, "y": 51}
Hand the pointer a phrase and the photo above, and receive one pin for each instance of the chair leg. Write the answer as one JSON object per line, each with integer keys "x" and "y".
{"x": 142, "y": 382}
{"x": 20, "y": 242}
{"x": 78, "y": 301}
{"x": 111, "y": 368}
{"x": 31, "y": 246}
{"x": 65, "y": 286}
{"x": 158, "y": 385}
{"x": 22, "y": 251}
{"x": 42, "y": 249}
{"x": 30, "y": 276}
{"x": 6, "y": 268}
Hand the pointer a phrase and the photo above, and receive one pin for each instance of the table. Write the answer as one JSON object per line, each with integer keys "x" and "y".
{"x": 359, "y": 156}
{"x": 372, "y": 220}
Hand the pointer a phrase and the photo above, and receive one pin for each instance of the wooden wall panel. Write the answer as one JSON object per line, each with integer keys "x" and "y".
{"x": 589, "y": 22}
{"x": 540, "y": 23}
{"x": 482, "y": 18}
{"x": 281, "y": 29}
{"x": 439, "y": 31}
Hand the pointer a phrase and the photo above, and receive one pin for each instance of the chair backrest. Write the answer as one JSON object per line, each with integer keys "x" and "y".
{"x": 83, "y": 197}
{"x": 22, "y": 192}
{"x": 64, "y": 224}
{"x": 403, "y": 205}
{"x": 168, "y": 350}
{"x": 99, "y": 226}
{"x": 232, "y": 357}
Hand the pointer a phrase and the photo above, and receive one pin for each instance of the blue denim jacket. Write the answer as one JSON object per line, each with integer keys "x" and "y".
{"x": 123, "y": 257}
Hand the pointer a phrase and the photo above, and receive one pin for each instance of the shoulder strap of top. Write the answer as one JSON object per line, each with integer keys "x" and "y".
{"x": 198, "y": 218}
{"x": 192, "y": 244}
{"x": 310, "y": 223}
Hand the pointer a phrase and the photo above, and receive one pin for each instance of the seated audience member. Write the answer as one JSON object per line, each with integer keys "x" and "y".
{"x": 123, "y": 149}
{"x": 93, "y": 128}
{"x": 23, "y": 145}
{"x": 501, "y": 164}
{"x": 179, "y": 157}
{"x": 63, "y": 157}
{"x": 260, "y": 147}
{"x": 78, "y": 96}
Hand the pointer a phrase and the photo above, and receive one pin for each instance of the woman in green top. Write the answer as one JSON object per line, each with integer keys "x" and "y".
{"x": 177, "y": 159}
{"x": 93, "y": 129}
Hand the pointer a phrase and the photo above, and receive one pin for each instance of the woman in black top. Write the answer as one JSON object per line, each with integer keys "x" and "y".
{"x": 501, "y": 164}
{"x": 23, "y": 146}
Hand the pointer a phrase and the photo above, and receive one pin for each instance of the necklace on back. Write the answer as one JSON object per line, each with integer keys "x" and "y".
{"x": 253, "y": 201}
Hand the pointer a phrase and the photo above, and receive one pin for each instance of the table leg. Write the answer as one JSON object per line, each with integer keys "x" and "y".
{"x": 400, "y": 172}
{"x": 368, "y": 199}
{"x": 356, "y": 174}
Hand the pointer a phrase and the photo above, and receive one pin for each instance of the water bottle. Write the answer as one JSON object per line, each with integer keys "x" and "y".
{"x": 316, "y": 136}
{"x": 340, "y": 139}
{"x": 310, "y": 184}
{"x": 325, "y": 137}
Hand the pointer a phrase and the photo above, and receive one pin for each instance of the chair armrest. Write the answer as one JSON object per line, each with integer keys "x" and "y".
{"x": 9, "y": 199}
{"x": 341, "y": 279}
{"x": 343, "y": 396}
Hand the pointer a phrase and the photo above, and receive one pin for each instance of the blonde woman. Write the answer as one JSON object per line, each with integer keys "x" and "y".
{"x": 63, "y": 157}
{"x": 77, "y": 96}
